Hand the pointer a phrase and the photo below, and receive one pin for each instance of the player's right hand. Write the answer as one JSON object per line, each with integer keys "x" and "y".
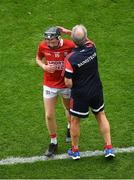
{"x": 49, "y": 68}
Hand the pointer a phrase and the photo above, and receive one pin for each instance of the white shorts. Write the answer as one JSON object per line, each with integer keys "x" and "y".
{"x": 53, "y": 92}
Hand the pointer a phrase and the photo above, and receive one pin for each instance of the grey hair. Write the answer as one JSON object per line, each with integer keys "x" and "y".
{"x": 79, "y": 34}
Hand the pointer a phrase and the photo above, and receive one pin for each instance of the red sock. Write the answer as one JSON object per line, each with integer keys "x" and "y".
{"x": 53, "y": 138}
{"x": 53, "y": 135}
{"x": 74, "y": 149}
{"x": 108, "y": 146}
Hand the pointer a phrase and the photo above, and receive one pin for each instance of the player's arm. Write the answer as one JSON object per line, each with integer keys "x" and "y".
{"x": 64, "y": 30}
{"x": 49, "y": 68}
{"x": 40, "y": 57}
{"x": 40, "y": 62}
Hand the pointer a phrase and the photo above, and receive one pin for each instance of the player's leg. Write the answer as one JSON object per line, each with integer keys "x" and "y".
{"x": 65, "y": 94}
{"x": 50, "y": 99}
{"x": 66, "y": 104}
{"x": 49, "y": 106}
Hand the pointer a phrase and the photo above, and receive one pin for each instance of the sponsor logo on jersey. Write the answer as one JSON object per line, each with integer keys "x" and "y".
{"x": 58, "y": 64}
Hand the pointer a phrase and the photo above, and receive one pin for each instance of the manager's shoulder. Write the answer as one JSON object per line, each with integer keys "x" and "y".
{"x": 71, "y": 55}
{"x": 90, "y": 43}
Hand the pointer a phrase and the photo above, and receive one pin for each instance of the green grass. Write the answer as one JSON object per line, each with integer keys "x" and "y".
{"x": 86, "y": 168}
{"x": 22, "y": 128}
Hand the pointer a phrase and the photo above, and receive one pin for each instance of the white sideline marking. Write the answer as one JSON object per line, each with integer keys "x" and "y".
{"x": 21, "y": 160}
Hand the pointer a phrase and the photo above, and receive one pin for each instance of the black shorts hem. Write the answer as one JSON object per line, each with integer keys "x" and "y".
{"x": 98, "y": 111}
{"x": 79, "y": 115}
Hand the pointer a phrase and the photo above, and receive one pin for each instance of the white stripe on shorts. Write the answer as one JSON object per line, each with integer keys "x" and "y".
{"x": 96, "y": 110}
{"x": 77, "y": 112}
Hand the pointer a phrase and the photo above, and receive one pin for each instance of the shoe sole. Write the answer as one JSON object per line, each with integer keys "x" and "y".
{"x": 51, "y": 154}
{"x": 109, "y": 156}
{"x": 74, "y": 158}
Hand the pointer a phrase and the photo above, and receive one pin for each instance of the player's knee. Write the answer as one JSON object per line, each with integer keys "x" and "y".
{"x": 67, "y": 106}
{"x": 49, "y": 117}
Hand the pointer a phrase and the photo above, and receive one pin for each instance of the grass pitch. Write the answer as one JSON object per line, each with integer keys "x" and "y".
{"x": 22, "y": 130}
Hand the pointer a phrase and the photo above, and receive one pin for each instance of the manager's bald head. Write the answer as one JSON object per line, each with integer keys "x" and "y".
{"x": 79, "y": 35}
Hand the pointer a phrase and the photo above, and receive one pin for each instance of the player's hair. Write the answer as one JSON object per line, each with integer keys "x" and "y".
{"x": 79, "y": 34}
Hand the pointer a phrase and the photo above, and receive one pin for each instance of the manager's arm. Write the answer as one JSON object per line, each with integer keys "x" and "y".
{"x": 68, "y": 82}
{"x": 64, "y": 30}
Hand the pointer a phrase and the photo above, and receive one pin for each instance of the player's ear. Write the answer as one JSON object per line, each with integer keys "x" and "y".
{"x": 59, "y": 37}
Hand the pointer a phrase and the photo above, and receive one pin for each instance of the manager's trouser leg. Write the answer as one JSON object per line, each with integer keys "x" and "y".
{"x": 75, "y": 131}
{"x": 104, "y": 127}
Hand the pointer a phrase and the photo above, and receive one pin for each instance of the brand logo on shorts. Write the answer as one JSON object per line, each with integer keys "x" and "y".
{"x": 48, "y": 92}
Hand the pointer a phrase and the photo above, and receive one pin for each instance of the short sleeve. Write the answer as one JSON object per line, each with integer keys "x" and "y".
{"x": 68, "y": 69}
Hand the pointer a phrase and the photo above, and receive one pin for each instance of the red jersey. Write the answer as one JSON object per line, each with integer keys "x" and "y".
{"x": 55, "y": 57}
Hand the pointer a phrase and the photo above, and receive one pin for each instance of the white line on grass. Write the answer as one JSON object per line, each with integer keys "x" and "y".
{"x": 21, "y": 160}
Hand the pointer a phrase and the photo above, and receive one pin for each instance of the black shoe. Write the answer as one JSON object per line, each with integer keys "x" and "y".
{"x": 68, "y": 136}
{"x": 51, "y": 150}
